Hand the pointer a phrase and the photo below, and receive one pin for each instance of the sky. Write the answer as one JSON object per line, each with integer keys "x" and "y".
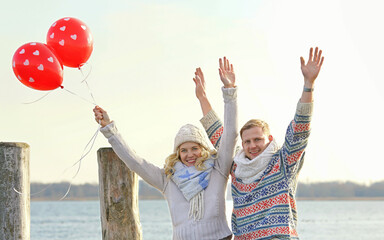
{"x": 144, "y": 58}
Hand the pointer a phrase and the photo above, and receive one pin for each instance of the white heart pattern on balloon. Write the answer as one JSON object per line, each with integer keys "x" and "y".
{"x": 36, "y": 66}
{"x": 41, "y": 67}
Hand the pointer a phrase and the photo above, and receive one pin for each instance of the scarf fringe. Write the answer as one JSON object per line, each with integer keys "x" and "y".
{"x": 196, "y": 206}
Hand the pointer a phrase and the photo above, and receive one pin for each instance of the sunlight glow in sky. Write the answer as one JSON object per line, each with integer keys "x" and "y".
{"x": 144, "y": 58}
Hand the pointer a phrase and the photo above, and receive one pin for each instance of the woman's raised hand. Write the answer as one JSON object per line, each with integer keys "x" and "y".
{"x": 200, "y": 84}
{"x": 227, "y": 75}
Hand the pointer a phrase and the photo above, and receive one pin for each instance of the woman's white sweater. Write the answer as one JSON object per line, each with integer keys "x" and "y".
{"x": 214, "y": 224}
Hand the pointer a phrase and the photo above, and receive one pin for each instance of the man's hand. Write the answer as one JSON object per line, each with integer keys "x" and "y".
{"x": 312, "y": 68}
{"x": 227, "y": 75}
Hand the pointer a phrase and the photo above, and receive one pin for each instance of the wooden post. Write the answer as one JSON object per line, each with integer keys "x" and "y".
{"x": 118, "y": 190}
{"x": 14, "y": 207}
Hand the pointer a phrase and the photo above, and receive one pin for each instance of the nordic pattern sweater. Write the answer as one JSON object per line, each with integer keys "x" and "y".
{"x": 214, "y": 224}
{"x": 266, "y": 208}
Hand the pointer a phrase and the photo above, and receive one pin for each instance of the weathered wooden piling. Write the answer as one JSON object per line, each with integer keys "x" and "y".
{"x": 14, "y": 207}
{"x": 118, "y": 190}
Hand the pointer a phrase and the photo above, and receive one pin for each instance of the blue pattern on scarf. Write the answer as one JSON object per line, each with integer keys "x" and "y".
{"x": 191, "y": 181}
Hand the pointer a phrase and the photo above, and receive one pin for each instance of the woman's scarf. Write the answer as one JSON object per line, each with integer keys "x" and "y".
{"x": 251, "y": 170}
{"x": 191, "y": 183}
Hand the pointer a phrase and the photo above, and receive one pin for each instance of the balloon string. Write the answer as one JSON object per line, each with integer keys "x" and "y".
{"x": 80, "y": 97}
{"x": 90, "y": 92}
{"x": 86, "y": 82}
{"x": 92, "y": 140}
{"x": 65, "y": 90}
{"x": 81, "y": 70}
{"x": 83, "y": 155}
{"x": 32, "y": 194}
{"x": 39, "y": 98}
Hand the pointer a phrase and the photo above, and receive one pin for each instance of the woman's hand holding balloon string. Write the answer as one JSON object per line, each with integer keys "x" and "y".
{"x": 101, "y": 116}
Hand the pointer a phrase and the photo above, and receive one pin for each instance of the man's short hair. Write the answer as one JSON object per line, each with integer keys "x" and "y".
{"x": 255, "y": 123}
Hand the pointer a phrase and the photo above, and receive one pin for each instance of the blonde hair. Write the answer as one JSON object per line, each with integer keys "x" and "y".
{"x": 171, "y": 160}
{"x": 255, "y": 123}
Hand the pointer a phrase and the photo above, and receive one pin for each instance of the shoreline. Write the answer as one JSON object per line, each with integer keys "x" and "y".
{"x": 341, "y": 199}
{"x": 150, "y": 199}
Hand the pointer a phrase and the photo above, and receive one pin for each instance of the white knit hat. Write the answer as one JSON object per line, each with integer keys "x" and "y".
{"x": 190, "y": 133}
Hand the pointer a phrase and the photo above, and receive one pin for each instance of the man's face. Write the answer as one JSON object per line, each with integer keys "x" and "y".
{"x": 254, "y": 142}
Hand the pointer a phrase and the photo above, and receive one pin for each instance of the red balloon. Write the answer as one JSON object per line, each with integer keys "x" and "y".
{"x": 72, "y": 41}
{"x": 37, "y": 67}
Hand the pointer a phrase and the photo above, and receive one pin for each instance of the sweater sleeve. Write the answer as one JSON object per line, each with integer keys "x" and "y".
{"x": 296, "y": 139}
{"x": 150, "y": 173}
{"x": 226, "y": 151}
{"x": 213, "y": 127}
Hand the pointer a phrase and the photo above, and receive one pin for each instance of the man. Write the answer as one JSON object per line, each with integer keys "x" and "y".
{"x": 264, "y": 175}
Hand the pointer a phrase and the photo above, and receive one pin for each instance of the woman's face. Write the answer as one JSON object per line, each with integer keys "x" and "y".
{"x": 189, "y": 153}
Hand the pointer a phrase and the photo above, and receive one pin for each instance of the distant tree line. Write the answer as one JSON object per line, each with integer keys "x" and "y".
{"x": 340, "y": 190}
{"x": 55, "y": 191}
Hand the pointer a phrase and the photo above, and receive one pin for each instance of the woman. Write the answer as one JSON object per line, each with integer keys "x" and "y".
{"x": 194, "y": 178}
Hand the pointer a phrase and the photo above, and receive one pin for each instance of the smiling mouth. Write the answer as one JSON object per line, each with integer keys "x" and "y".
{"x": 255, "y": 153}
